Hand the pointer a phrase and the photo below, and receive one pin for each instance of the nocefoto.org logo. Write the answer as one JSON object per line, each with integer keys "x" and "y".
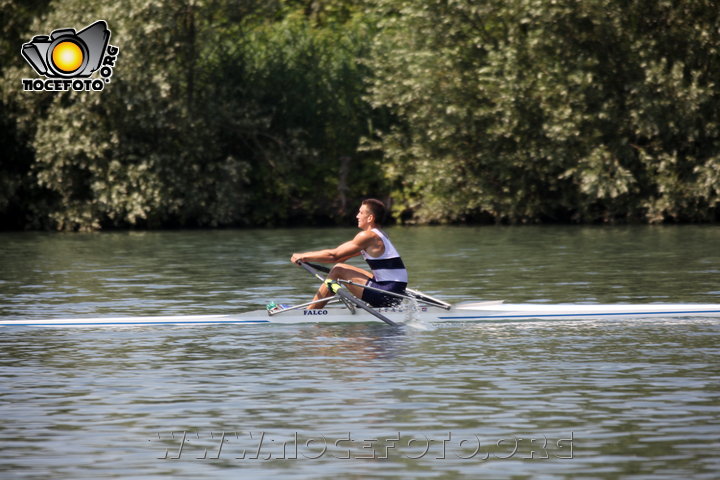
{"x": 67, "y": 59}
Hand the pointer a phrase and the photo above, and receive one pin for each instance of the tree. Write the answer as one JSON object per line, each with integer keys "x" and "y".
{"x": 16, "y": 188}
{"x": 530, "y": 110}
{"x": 219, "y": 113}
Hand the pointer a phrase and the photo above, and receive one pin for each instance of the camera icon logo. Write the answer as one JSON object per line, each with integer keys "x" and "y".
{"x": 67, "y": 59}
{"x": 67, "y": 54}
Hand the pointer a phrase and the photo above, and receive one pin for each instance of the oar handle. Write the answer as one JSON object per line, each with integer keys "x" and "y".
{"x": 320, "y": 268}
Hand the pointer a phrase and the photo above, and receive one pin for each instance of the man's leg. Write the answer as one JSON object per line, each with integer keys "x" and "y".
{"x": 343, "y": 271}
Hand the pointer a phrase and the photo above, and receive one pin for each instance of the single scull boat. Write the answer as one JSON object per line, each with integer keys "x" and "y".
{"x": 416, "y": 308}
{"x": 493, "y": 311}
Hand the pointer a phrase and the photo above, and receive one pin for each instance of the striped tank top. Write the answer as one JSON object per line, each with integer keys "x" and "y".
{"x": 388, "y": 267}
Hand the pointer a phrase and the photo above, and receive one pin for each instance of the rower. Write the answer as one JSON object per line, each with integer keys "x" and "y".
{"x": 388, "y": 270}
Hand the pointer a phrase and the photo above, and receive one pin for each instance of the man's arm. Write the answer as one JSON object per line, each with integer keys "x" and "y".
{"x": 338, "y": 254}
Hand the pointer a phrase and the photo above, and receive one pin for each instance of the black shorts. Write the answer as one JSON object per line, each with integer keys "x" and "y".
{"x": 377, "y": 299}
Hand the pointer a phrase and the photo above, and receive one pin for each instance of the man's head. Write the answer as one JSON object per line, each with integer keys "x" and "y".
{"x": 376, "y": 208}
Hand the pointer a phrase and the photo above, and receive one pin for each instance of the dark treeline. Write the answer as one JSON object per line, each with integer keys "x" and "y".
{"x": 277, "y": 112}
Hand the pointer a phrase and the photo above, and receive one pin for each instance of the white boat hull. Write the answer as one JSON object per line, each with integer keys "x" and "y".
{"x": 464, "y": 312}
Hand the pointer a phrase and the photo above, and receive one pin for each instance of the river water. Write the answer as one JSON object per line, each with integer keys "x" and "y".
{"x": 554, "y": 399}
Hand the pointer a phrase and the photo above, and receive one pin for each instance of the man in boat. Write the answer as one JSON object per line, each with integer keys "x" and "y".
{"x": 388, "y": 271}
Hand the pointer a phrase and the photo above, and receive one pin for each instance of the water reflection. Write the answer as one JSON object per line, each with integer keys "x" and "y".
{"x": 354, "y": 342}
{"x": 624, "y": 391}
{"x": 639, "y": 397}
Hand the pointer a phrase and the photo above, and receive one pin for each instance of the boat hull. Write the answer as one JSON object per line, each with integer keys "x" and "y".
{"x": 464, "y": 312}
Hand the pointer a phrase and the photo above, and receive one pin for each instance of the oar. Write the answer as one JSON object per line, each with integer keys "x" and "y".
{"x": 411, "y": 294}
{"x": 338, "y": 290}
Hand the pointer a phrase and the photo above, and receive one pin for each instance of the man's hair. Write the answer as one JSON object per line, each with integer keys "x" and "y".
{"x": 377, "y": 208}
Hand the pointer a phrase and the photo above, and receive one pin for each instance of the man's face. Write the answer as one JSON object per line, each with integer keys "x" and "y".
{"x": 364, "y": 217}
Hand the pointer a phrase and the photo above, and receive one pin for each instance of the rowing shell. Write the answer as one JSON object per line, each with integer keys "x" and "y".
{"x": 495, "y": 311}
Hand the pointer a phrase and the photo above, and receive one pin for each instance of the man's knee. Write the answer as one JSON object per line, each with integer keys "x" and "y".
{"x": 339, "y": 270}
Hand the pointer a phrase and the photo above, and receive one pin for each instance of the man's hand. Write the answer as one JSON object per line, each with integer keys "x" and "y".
{"x": 296, "y": 258}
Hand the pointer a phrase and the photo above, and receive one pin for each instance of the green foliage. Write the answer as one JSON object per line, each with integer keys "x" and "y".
{"x": 16, "y": 188}
{"x": 256, "y": 112}
{"x": 307, "y": 86}
{"x": 218, "y": 113}
{"x": 532, "y": 110}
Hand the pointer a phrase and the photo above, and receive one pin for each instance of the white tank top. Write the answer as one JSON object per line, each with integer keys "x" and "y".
{"x": 388, "y": 267}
